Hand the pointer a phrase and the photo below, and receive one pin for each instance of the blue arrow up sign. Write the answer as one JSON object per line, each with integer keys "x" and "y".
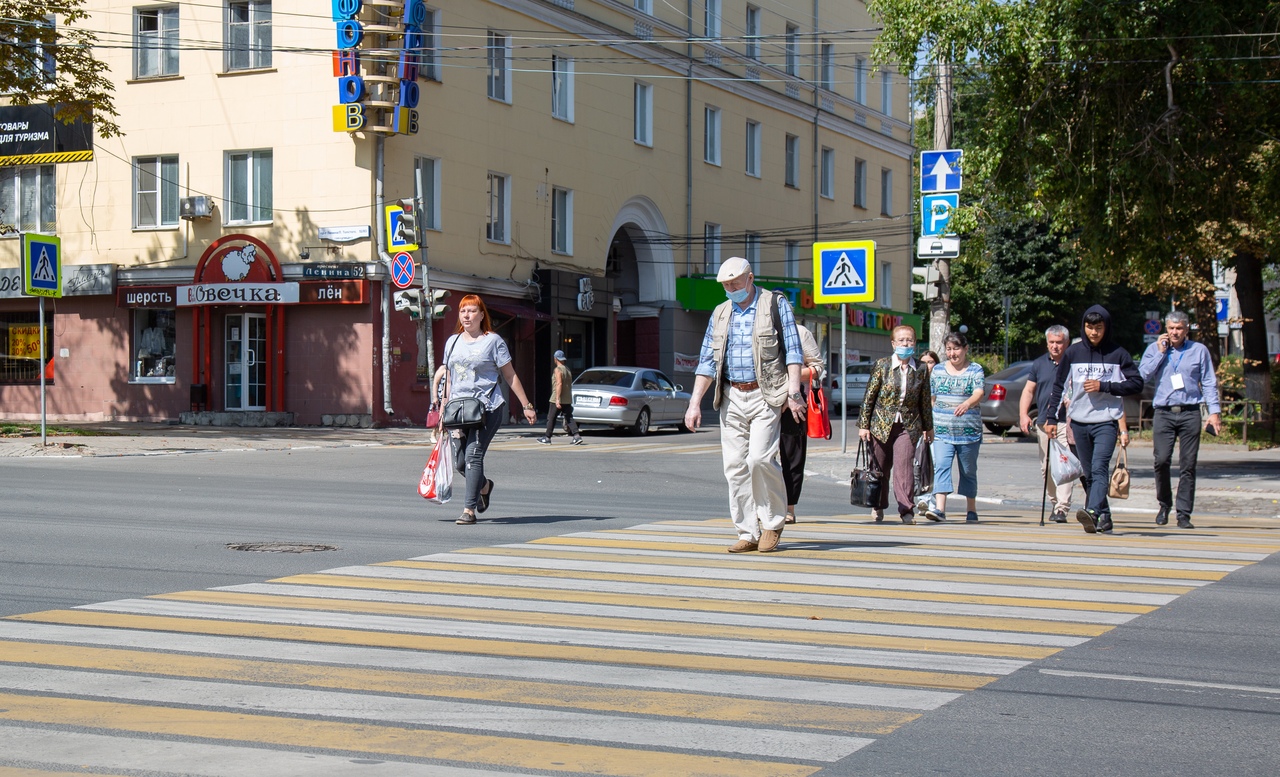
{"x": 940, "y": 171}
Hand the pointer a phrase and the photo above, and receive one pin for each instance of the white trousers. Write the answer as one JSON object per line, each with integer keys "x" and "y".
{"x": 1059, "y": 496}
{"x": 749, "y": 434}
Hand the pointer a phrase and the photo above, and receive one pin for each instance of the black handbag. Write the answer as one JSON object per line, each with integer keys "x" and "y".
{"x": 463, "y": 413}
{"x": 865, "y": 482}
{"x": 922, "y": 468}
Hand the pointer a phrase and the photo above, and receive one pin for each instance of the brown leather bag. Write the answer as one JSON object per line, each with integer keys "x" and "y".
{"x": 1119, "y": 488}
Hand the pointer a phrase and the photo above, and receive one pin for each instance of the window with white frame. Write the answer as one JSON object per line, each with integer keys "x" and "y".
{"x": 28, "y": 198}
{"x": 886, "y": 191}
{"x": 710, "y": 247}
{"x": 860, "y": 183}
{"x": 248, "y": 35}
{"x": 884, "y": 279}
{"x": 499, "y": 58}
{"x": 248, "y": 187}
{"x": 886, "y": 92}
{"x": 752, "y": 38}
{"x": 644, "y": 6}
{"x": 152, "y": 346}
{"x": 860, "y": 80}
{"x": 827, "y": 186}
{"x": 711, "y": 135}
{"x": 429, "y": 56}
{"x": 30, "y": 54}
{"x": 426, "y": 182}
{"x": 642, "y": 124}
{"x": 155, "y": 192}
{"x": 753, "y": 148}
{"x": 791, "y": 259}
{"x": 752, "y": 249}
{"x": 711, "y": 19}
{"x": 562, "y": 221}
{"x": 826, "y": 66}
{"x": 499, "y": 208}
{"x": 562, "y": 87}
{"x": 155, "y": 44}
{"x": 791, "y": 48}
{"x": 792, "y": 155}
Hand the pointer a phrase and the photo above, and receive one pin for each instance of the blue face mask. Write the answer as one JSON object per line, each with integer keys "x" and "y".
{"x": 905, "y": 352}
{"x": 738, "y": 297}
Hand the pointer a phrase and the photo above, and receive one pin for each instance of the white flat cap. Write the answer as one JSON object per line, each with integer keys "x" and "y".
{"x": 733, "y": 267}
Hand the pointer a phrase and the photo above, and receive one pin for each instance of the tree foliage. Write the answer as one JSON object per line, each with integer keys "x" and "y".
{"x": 47, "y": 59}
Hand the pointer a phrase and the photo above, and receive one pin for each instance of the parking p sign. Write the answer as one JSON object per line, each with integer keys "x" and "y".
{"x": 41, "y": 265}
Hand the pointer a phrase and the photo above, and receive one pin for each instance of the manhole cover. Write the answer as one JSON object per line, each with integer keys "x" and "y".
{"x": 279, "y": 547}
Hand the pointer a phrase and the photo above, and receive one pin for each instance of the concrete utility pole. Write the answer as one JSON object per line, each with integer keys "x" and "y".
{"x": 940, "y": 306}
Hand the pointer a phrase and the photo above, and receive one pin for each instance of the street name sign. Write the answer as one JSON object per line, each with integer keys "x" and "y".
{"x": 844, "y": 272}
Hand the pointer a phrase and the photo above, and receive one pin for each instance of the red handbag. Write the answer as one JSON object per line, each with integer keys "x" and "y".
{"x": 818, "y": 418}
{"x": 433, "y": 417}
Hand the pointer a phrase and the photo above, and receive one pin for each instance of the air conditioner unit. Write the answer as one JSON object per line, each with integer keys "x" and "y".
{"x": 191, "y": 208}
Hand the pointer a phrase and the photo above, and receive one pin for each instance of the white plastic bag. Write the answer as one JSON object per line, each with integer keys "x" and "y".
{"x": 1064, "y": 467}
{"x": 437, "y": 477}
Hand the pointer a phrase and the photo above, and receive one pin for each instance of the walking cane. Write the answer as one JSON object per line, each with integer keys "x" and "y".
{"x": 1044, "y": 496}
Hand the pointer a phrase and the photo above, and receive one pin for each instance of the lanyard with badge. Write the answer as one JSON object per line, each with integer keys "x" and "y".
{"x": 1176, "y": 379}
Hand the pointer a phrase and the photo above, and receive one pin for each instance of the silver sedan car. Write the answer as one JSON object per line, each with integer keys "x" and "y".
{"x": 633, "y": 398}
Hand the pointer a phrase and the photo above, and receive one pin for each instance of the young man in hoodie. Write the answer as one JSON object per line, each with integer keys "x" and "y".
{"x": 1098, "y": 373}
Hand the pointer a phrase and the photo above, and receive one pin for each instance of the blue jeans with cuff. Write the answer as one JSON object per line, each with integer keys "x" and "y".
{"x": 966, "y": 454}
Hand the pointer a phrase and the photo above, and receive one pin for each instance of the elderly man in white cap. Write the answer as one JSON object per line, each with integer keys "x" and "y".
{"x": 751, "y": 353}
{"x": 561, "y": 401}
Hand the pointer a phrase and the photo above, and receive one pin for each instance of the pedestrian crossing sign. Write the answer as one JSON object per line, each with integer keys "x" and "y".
{"x": 844, "y": 272}
{"x": 41, "y": 265}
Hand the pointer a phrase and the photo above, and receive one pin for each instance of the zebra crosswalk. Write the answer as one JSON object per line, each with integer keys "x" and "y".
{"x": 642, "y": 651}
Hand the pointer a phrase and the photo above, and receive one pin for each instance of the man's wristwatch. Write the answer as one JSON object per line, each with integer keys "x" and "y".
{"x": 528, "y": 405}
{"x": 798, "y": 396}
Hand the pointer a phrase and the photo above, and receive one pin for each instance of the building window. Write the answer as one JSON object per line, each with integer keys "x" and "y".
{"x": 886, "y": 191}
{"x": 860, "y": 81}
{"x": 885, "y": 281}
{"x": 248, "y": 35}
{"x": 792, "y": 152}
{"x": 31, "y": 55}
{"x": 643, "y": 124}
{"x": 248, "y": 189}
{"x": 562, "y": 221}
{"x": 499, "y": 67}
{"x": 752, "y": 249}
{"x": 753, "y": 148}
{"x": 791, "y": 260}
{"x": 711, "y": 136}
{"x": 711, "y": 19}
{"x": 826, "y": 66}
{"x": 20, "y": 360}
{"x": 155, "y": 192}
{"x": 752, "y": 38}
{"x": 426, "y": 181}
{"x": 710, "y": 247}
{"x": 791, "y": 42}
{"x": 429, "y": 56}
{"x": 860, "y": 183}
{"x": 155, "y": 42}
{"x": 499, "y": 208}
{"x": 828, "y": 183}
{"x": 886, "y": 93}
{"x": 152, "y": 346}
{"x": 562, "y": 87}
{"x": 644, "y": 6}
{"x": 28, "y": 198}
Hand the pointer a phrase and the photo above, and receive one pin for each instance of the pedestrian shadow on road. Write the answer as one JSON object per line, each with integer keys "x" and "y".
{"x": 839, "y": 544}
{"x": 509, "y": 520}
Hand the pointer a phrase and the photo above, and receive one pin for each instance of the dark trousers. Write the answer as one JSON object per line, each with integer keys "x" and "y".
{"x": 1095, "y": 444}
{"x": 793, "y": 449}
{"x": 1183, "y": 426}
{"x": 896, "y": 457}
{"x": 570, "y": 425}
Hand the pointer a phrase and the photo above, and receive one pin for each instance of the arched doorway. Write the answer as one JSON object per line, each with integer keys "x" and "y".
{"x": 641, "y": 268}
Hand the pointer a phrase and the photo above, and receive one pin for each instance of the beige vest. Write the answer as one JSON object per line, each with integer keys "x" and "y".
{"x": 768, "y": 351}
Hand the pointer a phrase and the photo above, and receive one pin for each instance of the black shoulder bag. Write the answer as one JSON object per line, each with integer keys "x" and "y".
{"x": 865, "y": 481}
{"x": 461, "y": 412}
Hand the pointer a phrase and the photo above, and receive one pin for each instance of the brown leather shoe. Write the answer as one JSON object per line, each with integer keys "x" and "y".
{"x": 743, "y": 546}
{"x": 769, "y": 540}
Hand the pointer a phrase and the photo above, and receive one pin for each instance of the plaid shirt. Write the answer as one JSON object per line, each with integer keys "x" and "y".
{"x": 738, "y": 356}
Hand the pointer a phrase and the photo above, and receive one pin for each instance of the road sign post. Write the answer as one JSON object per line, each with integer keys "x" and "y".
{"x": 41, "y": 277}
{"x": 844, "y": 273}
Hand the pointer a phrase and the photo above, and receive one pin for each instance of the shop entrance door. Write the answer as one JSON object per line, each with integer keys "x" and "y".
{"x": 246, "y": 361}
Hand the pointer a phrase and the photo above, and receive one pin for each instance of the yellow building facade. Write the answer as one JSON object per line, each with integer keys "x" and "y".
{"x": 582, "y": 165}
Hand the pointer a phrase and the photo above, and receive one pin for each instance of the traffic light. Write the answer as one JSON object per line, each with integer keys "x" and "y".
{"x": 407, "y": 224}
{"x": 929, "y": 288}
{"x": 435, "y": 302}
{"x": 410, "y": 301}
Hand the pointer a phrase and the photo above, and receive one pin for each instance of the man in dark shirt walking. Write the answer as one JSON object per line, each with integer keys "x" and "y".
{"x": 1043, "y": 372}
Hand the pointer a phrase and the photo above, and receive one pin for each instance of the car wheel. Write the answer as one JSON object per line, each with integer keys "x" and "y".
{"x": 641, "y": 426}
{"x": 995, "y": 428}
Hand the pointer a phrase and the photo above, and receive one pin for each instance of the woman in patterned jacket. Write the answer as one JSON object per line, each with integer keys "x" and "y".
{"x": 896, "y": 412}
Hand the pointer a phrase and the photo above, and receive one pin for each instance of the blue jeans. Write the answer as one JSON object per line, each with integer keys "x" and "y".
{"x": 1095, "y": 443}
{"x": 966, "y": 454}
{"x": 468, "y": 454}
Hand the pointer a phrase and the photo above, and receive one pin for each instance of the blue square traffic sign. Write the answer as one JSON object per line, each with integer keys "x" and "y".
{"x": 935, "y": 213}
{"x": 41, "y": 265}
{"x": 844, "y": 272}
{"x": 940, "y": 171}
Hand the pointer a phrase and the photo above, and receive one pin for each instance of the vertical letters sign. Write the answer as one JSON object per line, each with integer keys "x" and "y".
{"x": 389, "y": 77}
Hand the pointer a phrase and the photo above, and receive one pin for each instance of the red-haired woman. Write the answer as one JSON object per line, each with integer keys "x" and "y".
{"x": 474, "y": 359}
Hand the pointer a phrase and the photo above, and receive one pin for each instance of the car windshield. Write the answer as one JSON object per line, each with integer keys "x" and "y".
{"x": 859, "y": 369}
{"x": 619, "y": 378}
{"x": 1015, "y": 371}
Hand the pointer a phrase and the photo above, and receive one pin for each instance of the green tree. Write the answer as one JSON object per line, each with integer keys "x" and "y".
{"x": 53, "y": 62}
{"x": 1144, "y": 132}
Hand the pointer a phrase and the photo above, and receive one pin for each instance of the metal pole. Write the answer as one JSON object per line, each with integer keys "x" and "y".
{"x": 1008, "y": 305}
{"x": 379, "y": 156}
{"x": 844, "y": 379}
{"x": 43, "y": 442}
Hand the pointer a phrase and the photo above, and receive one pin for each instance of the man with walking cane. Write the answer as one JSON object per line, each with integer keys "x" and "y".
{"x": 1043, "y": 372}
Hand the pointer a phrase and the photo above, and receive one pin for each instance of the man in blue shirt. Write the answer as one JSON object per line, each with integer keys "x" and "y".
{"x": 1182, "y": 373}
{"x": 751, "y": 355}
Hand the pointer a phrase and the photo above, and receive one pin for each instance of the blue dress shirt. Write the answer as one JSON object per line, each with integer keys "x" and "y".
{"x": 1193, "y": 363}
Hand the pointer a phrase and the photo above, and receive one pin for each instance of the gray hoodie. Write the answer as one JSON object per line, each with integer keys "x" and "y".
{"x": 1106, "y": 362}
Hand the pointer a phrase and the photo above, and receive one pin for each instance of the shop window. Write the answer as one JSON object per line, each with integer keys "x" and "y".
{"x": 28, "y": 198}
{"x": 248, "y": 36}
{"x": 153, "y": 345}
{"x": 20, "y": 347}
